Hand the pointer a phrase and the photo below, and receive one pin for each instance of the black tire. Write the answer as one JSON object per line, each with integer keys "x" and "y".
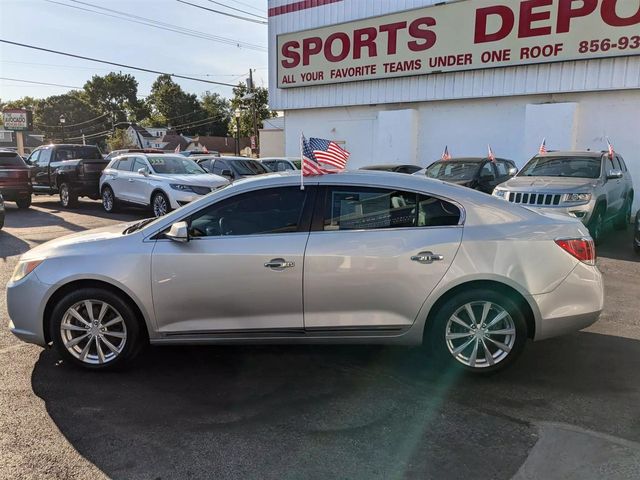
{"x": 622, "y": 222}
{"x": 109, "y": 200}
{"x": 498, "y": 359}
{"x": 68, "y": 198}
{"x": 596, "y": 225}
{"x": 24, "y": 202}
{"x": 134, "y": 338}
{"x": 157, "y": 199}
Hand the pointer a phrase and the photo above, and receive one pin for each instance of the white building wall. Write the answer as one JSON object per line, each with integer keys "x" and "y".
{"x": 513, "y": 126}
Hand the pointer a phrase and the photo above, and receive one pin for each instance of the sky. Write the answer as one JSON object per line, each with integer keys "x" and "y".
{"x": 57, "y": 27}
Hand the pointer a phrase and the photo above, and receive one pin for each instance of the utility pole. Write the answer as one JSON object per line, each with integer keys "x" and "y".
{"x": 252, "y": 90}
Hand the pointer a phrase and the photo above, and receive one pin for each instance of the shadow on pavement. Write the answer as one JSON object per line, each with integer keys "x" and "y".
{"x": 618, "y": 245}
{"x": 94, "y": 209}
{"x": 11, "y": 245}
{"x": 335, "y": 412}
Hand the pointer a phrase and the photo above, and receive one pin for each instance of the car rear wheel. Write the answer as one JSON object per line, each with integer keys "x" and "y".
{"x": 480, "y": 331}
{"x": 95, "y": 329}
{"x": 625, "y": 215}
{"x": 109, "y": 201}
{"x": 68, "y": 198}
{"x": 24, "y": 202}
{"x": 160, "y": 204}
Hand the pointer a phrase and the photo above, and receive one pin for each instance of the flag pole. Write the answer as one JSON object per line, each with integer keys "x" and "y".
{"x": 301, "y": 162}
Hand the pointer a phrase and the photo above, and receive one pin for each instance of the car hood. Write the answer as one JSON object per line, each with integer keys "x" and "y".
{"x": 201, "y": 180}
{"x": 552, "y": 184}
{"x": 55, "y": 247}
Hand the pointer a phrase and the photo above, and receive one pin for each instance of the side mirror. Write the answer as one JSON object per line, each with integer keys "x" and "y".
{"x": 179, "y": 232}
{"x": 143, "y": 171}
{"x": 614, "y": 174}
{"x": 513, "y": 171}
{"x": 227, "y": 173}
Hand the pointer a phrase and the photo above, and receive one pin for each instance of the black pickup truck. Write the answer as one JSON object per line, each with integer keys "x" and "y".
{"x": 71, "y": 171}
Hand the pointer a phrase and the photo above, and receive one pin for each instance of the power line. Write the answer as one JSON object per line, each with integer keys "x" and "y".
{"x": 237, "y": 9}
{"x": 161, "y": 25}
{"x": 39, "y": 83}
{"x": 249, "y": 6}
{"x": 116, "y": 64}
{"x": 224, "y": 13}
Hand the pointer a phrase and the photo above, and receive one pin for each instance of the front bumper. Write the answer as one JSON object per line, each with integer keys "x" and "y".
{"x": 575, "y": 304}
{"x": 179, "y": 198}
{"x": 25, "y": 303}
{"x": 581, "y": 211}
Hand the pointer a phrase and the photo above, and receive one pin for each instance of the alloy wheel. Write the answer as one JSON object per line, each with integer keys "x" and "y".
{"x": 107, "y": 199}
{"x": 480, "y": 334}
{"x": 159, "y": 205}
{"x": 93, "y": 331}
{"x": 64, "y": 194}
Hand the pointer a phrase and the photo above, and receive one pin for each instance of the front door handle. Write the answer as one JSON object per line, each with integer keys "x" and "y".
{"x": 279, "y": 264}
{"x": 427, "y": 257}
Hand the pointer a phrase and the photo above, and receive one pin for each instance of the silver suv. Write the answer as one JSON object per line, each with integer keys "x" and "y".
{"x": 592, "y": 186}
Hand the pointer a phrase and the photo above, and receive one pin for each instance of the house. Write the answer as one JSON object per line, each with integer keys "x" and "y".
{"x": 172, "y": 140}
{"x": 224, "y": 145}
{"x": 31, "y": 140}
{"x": 272, "y": 137}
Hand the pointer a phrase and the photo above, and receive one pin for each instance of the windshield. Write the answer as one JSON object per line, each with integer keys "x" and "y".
{"x": 249, "y": 167}
{"x": 166, "y": 165}
{"x": 10, "y": 159}
{"x": 452, "y": 171}
{"x": 577, "y": 167}
{"x": 71, "y": 152}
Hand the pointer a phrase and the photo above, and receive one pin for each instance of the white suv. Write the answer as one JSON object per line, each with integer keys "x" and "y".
{"x": 163, "y": 182}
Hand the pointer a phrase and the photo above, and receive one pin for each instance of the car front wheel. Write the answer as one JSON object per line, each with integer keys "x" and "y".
{"x": 481, "y": 331}
{"x": 95, "y": 329}
{"x": 160, "y": 204}
{"x": 596, "y": 226}
{"x": 109, "y": 201}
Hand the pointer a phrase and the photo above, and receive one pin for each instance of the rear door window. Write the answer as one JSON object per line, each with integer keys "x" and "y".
{"x": 11, "y": 160}
{"x": 125, "y": 164}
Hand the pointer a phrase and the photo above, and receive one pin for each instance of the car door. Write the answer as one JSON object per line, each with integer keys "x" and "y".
{"x": 502, "y": 168}
{"x": 120, "y": 179}
{"x": 487, "y": 179}
{"x": 614, "y": 188}
{"x": 241, "y": 269}
{"x": 40, "y": 174}
{"x": 140, "y": 185}
{"x": 375, "y": 255}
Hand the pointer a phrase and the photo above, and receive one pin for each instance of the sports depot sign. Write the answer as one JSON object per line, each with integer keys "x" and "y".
{"x": 465, "y": 35}
{"x": 17, "y": 119}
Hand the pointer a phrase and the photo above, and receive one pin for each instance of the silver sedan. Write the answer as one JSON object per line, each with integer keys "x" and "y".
{"x": 357, "y": 257}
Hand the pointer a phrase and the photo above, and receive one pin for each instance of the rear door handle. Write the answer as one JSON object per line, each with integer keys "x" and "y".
{"x": 279, "y": 264}
{"x": 427, "y": 257}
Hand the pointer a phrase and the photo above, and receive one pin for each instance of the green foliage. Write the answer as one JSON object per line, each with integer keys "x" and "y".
{"x": 261, "y": 102}
{"x": 119, "y": 139}
{"x": 115, "y": 93}
{"x": 75, "y": 109}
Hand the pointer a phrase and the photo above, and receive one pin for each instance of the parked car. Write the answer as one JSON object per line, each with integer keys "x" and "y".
{"x": 590, "y": 186}
{"x": 162, "y": 182}
{"x": 384, "y": 258}
{"x": 636, "y": 240}
{"x": 191, "y": 153}
{"x": 276, "y": 164}
{"x": 394, "y": 168}
{"x": 71, "y": 171}
{"x": 122, "y": 151}
{"x": 1, "y": 212}
{"x": 15, "y": 179}
{"x": 478, "y": 173}
{"x": 232, "y": 168}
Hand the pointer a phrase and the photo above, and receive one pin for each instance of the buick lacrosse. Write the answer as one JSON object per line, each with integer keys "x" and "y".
{"x": 356, "y": 257}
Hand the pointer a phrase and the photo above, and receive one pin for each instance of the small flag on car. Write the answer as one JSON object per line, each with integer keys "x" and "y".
{"x": 611, "y": 149}
{"x": 491, "y": 156}
{"x": 446, "y": 155}
{"x": 177, "y": 150}
{"x": 320, "y": 156}
{"x": 543, "y": 147}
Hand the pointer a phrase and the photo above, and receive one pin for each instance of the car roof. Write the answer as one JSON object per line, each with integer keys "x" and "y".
{"x": 389, "y": 165}
{"x": 571, "y": 153}
{"x": 471, "y": 159}
{"x": 237, "y": 158}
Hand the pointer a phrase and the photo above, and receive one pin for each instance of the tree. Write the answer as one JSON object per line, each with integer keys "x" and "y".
{"x": 220, "y": 109}
{"x": 118, "y": 140}
{"x": 117, "y": 94}
{"x": 170, "y": 105}
{"x": 75, "y": 110}
{"x": 260, "y": 100}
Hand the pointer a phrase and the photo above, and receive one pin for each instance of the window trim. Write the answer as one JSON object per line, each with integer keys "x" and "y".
{"x": 317, "y": 223}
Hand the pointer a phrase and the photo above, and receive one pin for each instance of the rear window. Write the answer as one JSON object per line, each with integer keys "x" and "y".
{"x": 9, "y": 159}
{"x": 249, "y": 167}
{"x": 84, "y": 152}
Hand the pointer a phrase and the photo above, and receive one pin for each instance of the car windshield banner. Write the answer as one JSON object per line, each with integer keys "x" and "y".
{"x": 465, "y": 35}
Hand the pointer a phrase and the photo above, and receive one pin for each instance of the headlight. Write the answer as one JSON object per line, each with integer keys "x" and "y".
{"x": 182, "y": 188}
{"x": 499, "y": 193}
{"x": 25, "y": 268}
{"x": 577, "y": 197}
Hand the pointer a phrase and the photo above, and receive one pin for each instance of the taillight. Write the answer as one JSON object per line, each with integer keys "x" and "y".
{"x": 582, "y": 248}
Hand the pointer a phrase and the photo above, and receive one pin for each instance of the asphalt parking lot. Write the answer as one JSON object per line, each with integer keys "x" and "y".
{"x": 569, "y": 408}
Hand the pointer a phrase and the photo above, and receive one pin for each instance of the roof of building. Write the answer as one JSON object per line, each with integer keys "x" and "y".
{"x": 173, "y": 140}
{"x": 218, "y": 144}
{"x": 141, "y": 130}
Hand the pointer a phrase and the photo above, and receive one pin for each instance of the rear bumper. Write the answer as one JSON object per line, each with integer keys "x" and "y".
{"x": 16, "y": 192}
{"x": 575, "y": 304}
{"x": 89, "y": 188}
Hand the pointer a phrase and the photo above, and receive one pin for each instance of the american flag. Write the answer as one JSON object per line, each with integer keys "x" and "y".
{"x": 491, "y": 156}
{"x": 445, "y": 154}
{"x": 310, "y": 165}
{"x": 611, "y": 149}
{"x": 329, "y": 153}
{"x": 543, "y": 147}
{"x": 177, "y": 150}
